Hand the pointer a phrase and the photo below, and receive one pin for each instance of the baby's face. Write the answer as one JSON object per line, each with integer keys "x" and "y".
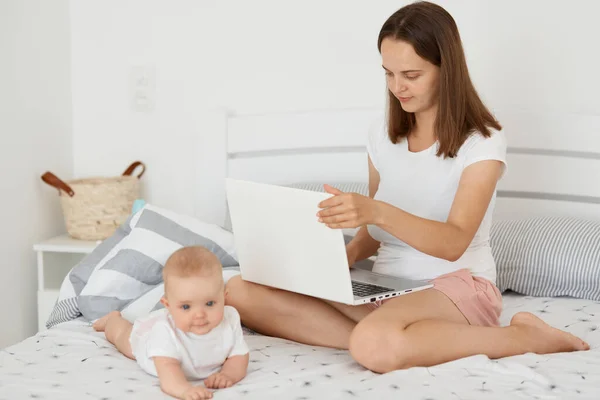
{"x": 196, "y": 303}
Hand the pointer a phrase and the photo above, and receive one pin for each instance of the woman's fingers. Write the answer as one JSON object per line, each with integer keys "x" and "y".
{"x": 332, "y": 211}
{"x": 332, "y": 190}
{"x": 351, "y": 217}
{"x": 331, "y": 202}
{"x": 336, "y": 219}
{"x": 350, "y": 224}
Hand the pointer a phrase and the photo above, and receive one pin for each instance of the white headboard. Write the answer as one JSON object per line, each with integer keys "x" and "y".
{"x": 553, "y": 159}
{"x": 285, "y": 148}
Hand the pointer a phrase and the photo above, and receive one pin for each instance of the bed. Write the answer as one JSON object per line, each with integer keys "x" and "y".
{"x": 71, "y": 361}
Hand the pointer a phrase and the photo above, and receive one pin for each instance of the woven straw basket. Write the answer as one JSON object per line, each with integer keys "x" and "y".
{"x": 94, "y": 208}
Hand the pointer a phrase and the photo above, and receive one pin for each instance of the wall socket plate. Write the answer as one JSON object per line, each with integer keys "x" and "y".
{"x": 142, "y": 88}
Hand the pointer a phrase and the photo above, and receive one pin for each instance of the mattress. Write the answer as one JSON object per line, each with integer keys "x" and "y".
{"x": 71, "y": 361}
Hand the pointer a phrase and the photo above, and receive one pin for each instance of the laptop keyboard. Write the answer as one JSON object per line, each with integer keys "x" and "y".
{"x": 366, "y": 289}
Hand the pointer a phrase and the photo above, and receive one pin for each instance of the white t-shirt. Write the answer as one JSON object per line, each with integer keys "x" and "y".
{"x": 423, "y": 184}
{"x": 200, "y": 355}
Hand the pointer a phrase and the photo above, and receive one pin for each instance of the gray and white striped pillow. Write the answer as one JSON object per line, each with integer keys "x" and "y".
{"x": 127, "y": 267}
{"x": 548, "y": 256}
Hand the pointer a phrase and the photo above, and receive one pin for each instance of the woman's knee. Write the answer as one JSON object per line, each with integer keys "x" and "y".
{"x": 380, "y": 348}
{"x": 236, "y": 291}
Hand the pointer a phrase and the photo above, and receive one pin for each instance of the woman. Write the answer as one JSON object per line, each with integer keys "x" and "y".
{"x": 433, "y": 169}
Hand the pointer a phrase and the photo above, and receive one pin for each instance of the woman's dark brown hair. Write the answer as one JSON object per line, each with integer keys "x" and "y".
{"x": 432, "y": 32}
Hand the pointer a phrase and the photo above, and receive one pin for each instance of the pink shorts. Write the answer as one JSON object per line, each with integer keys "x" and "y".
{"x": 478, "y": 299}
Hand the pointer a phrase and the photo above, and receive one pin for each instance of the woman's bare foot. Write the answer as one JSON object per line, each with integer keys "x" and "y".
{"x": 542, "y": 338}
{"x": 100, "y": 325}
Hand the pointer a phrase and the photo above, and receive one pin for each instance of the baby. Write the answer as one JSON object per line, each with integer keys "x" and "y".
{"x": 194, "y": 337}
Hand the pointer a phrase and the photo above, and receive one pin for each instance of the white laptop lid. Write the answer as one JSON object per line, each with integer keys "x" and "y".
{"x": 280, "y": 243}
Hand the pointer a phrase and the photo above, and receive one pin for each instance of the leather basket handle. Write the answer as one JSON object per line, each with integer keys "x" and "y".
{"x": 57, "y": 183}
{"x": 132, "y": 168}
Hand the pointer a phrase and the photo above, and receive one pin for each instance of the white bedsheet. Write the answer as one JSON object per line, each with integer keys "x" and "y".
{"x": 73, "y": 362}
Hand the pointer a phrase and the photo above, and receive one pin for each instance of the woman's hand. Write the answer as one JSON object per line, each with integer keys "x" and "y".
{"x": 347, "y": 210}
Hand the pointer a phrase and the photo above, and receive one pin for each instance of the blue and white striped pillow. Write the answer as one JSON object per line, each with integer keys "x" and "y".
{"x": 548, "y": 256}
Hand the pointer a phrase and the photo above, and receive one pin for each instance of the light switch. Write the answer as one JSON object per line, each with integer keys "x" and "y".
{"x": 142, "y": 88}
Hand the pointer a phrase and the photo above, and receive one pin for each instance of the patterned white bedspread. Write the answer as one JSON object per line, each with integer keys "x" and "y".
{"x": 71, "y": 361}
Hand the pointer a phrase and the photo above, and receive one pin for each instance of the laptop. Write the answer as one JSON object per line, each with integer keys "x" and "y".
{"x": 280, "y": 243}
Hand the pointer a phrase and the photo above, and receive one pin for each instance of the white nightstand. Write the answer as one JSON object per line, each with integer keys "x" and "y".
{"x": 55, "y": 258}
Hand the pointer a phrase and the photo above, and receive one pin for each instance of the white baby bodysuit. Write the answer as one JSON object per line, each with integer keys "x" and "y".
{"x": 200, "y": 355}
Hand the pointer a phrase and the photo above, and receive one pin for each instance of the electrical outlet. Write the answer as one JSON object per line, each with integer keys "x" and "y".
{"x": 142, "y": 88}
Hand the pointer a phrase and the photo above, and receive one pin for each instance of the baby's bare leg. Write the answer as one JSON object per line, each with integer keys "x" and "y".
{"x": 117, "y": 330}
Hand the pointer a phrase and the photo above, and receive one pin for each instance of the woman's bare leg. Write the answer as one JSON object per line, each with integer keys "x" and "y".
{"x": 425, "y": 328}
{"x": 117, "y": 331}
{"x": 293, "y": 316}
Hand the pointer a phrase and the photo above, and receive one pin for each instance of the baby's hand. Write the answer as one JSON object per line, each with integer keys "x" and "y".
{"x": 197, "y": 393}
{"x": 218, "y": 380}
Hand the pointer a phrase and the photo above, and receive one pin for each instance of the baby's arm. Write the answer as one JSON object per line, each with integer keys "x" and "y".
{"x": 174, "y": 383}
{"x": 233, "y": 370}
{"x": 236, "y": 365}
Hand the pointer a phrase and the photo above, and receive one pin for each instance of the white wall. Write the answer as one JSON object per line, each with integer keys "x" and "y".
{"x": 35, "y": 127}
{"x": 248, "y": 57}
{"x": 270, "y": 55}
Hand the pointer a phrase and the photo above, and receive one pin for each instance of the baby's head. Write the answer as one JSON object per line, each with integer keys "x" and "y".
{"x": 194, "y": 289}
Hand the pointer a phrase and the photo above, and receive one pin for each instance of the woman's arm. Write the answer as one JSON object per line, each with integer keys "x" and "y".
{"x": 363, "y": 245}
{"x": 447, "y": 240}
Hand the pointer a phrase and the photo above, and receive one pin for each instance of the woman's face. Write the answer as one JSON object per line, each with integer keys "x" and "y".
{"x": 413, "y": 80}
